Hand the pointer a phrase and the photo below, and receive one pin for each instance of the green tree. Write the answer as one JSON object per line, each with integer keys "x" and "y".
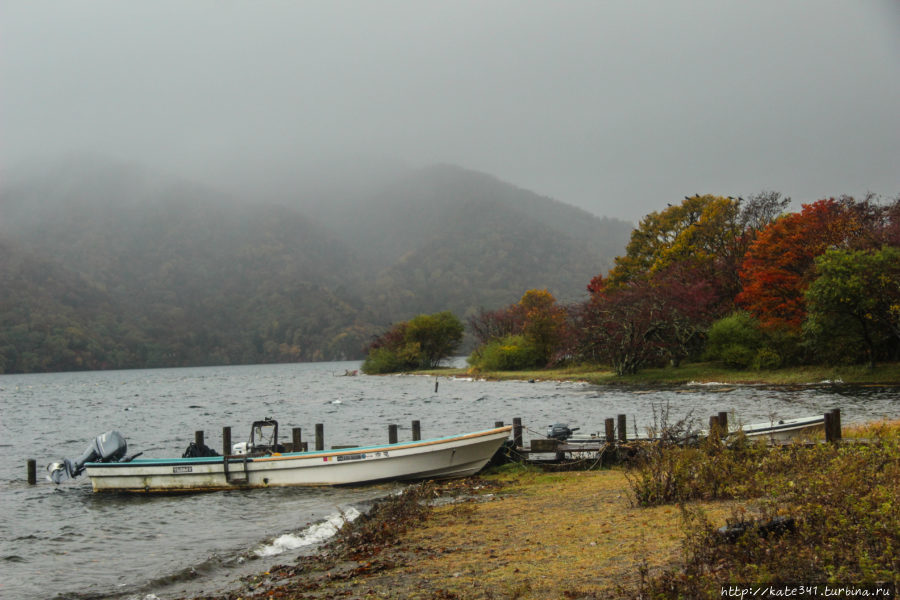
{"x": 438, "y": 336}
{"x": 421, "y": 343}
{"x": 855, "y": 301}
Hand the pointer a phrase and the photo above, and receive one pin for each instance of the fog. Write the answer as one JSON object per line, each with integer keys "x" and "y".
{"x": 618, "y": 107}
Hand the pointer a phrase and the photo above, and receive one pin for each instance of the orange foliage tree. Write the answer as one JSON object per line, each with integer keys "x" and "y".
{"x": 780, "y": 264}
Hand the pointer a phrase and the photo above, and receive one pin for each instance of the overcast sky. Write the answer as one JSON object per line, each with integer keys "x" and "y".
{"x": 615, "y": 106}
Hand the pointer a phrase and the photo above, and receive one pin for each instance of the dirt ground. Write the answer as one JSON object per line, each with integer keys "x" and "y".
{"x": 529, "y": 535}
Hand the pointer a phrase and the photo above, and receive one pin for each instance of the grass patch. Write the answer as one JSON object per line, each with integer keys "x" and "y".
{"x": 702, "y": 372}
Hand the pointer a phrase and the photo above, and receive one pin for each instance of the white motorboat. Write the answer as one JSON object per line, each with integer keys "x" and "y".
{"x": 263, "y": 466}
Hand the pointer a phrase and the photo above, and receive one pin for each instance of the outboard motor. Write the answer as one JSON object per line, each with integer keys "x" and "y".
{"x": 560, "y": 431}
{"x": 108, "y": 447}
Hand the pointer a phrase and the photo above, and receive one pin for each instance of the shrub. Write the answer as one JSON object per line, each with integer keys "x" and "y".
{"x": 842, "y": 499}
{"x": 511, "y": 353}
{"x": 737, "y": 356}
{"x": 382, "y": 360}
{"x": 734, "y": 339}
{"x": 766, "y": 358}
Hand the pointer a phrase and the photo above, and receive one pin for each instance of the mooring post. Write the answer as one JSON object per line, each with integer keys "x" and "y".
{"x": 32, "y": 471}
{"x": 623, "y": 433}
{"x": 296, "y": 440}
{"x": 833, "y": 425}
{"x": 723, "y": 422}
{"x": 517, "y": 432}
{"x": 435, "y": 385}
{"x": 198, "y": 437}
{"x": 392, "y": 433}
{"x": 226, "y": 441}
{"x": 416, "y": 431}
{"x": 320, "y": 436}
{"x": 610, "y": 431}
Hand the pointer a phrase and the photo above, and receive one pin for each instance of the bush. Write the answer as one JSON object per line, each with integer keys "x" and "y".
{"x": 842, "y": 499}
{"x": 382, "y": 360}
{"x": 511, "y": 353}
{"x": 734, "y": 340}
{"x": 766, "y": 358}
{"x": 737, "y": 356}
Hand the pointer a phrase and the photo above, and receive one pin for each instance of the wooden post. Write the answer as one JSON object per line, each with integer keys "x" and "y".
{"x": 833, "y": 425}
{"x": 320, "y": 436}
{"x": 392, "y": 433}
{"x": 32, "y": 471}
{"x": 198, "y": 438}
{"x": 296, "y": 439}
{"x": 416, "y": 431}
{"x": 610, "y": 431}
{"x": 723, "y": 422}
{"x": 226, "y": 441}
{"x": 714, "y": 425}
{"x": 517, "y": 432}
{"x": 435, "y": 385}
{"x": 623, "y": 434}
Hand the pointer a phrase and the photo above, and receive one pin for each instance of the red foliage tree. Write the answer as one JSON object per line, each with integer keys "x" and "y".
{"x": 645, "y": 322}
{"x": 780, "y": 264}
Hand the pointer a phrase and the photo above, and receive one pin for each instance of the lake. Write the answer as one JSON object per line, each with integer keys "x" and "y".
{"x": 66, "y": 542}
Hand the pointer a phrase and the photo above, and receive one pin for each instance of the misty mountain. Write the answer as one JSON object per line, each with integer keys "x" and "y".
{"x": 107, "y": 265}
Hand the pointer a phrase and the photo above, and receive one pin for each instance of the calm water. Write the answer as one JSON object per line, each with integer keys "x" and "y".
{"x": 65, "y": 542}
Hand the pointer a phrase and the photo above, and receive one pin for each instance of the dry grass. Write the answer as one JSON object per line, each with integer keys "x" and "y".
{"x": 523, "y": 535}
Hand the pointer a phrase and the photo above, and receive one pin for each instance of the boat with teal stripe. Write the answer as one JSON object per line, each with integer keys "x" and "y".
{"x": 260, "y": 464}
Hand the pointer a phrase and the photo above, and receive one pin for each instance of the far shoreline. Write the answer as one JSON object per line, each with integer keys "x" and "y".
{"x": 883, "y": 375}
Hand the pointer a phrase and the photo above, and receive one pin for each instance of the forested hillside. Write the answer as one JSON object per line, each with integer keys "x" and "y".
{"x": 108, "y": 266}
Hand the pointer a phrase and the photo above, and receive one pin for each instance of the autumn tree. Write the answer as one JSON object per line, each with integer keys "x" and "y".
{"x": 704, "y": 237}
{"x": 644, "y": 322}
{"x": 489, "y": 325}
{"x": 780, "y": 264}
{"x": 523, "y": 335}
{"x": 653, "y": 238}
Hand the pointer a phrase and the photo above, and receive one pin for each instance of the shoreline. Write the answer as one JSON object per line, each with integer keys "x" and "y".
{"x": 883, "y": 375}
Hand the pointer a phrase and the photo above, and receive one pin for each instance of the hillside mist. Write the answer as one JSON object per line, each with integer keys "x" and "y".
{"x": 105, "y": 265}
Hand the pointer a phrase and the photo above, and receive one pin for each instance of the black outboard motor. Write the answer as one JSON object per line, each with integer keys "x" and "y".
{"x": 108, "y": 447}
{"x": 560, "y": 431}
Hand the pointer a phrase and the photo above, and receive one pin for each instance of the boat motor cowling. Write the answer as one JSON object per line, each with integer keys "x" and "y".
{"x": 560, "y": 431}
{"x": 107, "y": 447}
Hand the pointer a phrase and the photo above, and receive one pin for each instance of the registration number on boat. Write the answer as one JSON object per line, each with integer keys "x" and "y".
{"x": 182, "y": 469}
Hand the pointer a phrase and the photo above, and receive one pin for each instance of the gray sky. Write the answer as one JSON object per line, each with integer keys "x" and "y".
{"x": 615, "y": 106}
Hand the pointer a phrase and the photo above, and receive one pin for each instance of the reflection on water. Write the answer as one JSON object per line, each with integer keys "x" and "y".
{"x": 102, "y": 545}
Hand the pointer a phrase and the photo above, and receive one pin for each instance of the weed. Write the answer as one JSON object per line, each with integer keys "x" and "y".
{"x": 841, "y": 500}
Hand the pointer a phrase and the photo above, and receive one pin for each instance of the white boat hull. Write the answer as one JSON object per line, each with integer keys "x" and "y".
{"x": 443, "y": 458}
{"x": 785, "y": 430}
